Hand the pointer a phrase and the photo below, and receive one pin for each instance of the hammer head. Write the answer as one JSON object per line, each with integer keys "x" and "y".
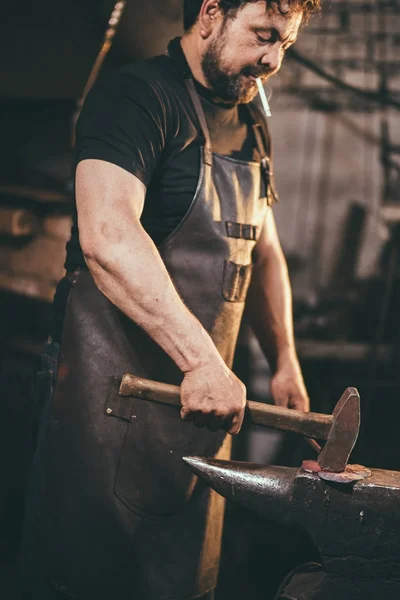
{"x": 343, "y": 434}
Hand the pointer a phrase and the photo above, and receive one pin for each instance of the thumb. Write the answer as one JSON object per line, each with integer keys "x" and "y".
{"x": 280, "y": 396}
{"x": 300, "y": 402}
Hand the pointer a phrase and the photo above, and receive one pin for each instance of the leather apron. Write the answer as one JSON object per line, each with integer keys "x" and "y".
{"x": 117, "y": 514}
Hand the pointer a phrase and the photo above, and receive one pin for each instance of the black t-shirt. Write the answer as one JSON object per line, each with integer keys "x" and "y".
{"x": 141, "y": 118}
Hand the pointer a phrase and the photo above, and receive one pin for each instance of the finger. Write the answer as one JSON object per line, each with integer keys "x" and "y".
{"x": 281, "y": 399}
{"x": 199, "y": 419}
{"x": 299, "y": 403}
{"x": 186, "y": 414}
{"x": 235, "y": 425}
{"x": 215, "y": 422}
{"x": 280, "y": 394}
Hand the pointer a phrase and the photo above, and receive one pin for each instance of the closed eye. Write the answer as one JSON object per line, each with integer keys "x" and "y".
{"x": 270, "y": 40}
{"x": 273, "y": 38}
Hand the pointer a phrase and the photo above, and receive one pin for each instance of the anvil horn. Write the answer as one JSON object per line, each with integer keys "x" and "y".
{"x": 266, "y": 490}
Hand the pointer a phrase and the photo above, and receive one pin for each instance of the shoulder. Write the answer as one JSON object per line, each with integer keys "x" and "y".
{"x": 153, "y": 79}
{"x": 151, "y": 87}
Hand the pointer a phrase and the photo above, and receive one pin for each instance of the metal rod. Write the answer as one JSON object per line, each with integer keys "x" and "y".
{"x": 314, "y": 445}
{"x": 109, "y": 35}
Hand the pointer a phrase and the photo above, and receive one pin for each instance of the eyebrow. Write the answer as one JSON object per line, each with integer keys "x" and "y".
{"x": 275, "y": 33}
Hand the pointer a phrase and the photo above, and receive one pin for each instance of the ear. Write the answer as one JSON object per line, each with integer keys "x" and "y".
{"x": 210, "y": 15}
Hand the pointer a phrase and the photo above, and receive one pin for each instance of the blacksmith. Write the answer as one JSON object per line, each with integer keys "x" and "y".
{"x": 174, "y": 237}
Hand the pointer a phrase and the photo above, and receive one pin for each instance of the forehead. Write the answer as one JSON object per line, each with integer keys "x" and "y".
{"x": 257, "y": 15}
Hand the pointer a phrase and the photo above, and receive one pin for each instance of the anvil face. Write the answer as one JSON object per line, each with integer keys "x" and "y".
{"x": 356, "y": 528}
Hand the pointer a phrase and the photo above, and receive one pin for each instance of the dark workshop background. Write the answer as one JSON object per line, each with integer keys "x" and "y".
{"x": 336, "y": 132}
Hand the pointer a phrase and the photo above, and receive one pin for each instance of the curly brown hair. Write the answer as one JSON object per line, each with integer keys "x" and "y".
{"x": 191, "y": 8}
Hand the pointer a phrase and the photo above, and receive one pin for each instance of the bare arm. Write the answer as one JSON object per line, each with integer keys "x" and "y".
{"x": 269, "y": 308}
{"x": 129, "y": 271}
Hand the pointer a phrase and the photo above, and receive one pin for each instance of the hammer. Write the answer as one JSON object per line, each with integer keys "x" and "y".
{"x": 340, "y": 430}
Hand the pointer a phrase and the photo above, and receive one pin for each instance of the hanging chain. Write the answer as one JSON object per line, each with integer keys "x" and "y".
{"x": 113, "y": 23}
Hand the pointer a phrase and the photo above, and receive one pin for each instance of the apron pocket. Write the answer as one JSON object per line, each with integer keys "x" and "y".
{"x": 151, "y": 478}
{"x": 236, "y": 281}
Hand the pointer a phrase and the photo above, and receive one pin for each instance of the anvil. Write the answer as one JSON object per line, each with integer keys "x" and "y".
{"x": 356, "y": 528}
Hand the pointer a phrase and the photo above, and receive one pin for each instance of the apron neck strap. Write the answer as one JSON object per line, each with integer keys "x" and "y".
{"x": 263, "y": 141}
{"x": 202, "y": 120}
{"x": 260, "y": 131}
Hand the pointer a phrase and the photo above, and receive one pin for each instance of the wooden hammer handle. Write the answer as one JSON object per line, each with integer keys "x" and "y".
{"x": 311, "y": 425}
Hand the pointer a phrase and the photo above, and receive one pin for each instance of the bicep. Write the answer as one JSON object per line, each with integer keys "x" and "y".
{"x": 109, "y": 202}
{"x": 268, "y": 241}
{"x": 125, "y": 121}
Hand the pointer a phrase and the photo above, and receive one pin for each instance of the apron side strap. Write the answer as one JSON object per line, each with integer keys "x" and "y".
{"x": 261, "y": 131}
{"x": 263, "y": 140}
{"x": 202, "y": 120}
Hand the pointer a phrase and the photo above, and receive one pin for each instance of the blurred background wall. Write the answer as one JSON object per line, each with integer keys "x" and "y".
{"x": 336, "y": 133}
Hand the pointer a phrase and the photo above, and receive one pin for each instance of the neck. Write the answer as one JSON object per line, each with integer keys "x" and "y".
{"x": 191, "y": 46}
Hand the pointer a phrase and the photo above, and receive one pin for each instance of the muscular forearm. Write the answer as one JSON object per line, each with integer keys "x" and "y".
{"x": 269, "y": 307}
{"x": 129, "y": 271}
{"x": 131, "y": 274}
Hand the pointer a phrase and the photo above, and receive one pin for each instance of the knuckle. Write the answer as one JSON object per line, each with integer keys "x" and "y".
{"x": 206, "y": 409}
{"x": 239, "y": 406}
{"x": 219, "y": 413}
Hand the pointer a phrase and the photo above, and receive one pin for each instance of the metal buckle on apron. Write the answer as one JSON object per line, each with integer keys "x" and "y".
{"x": 267, "y": 174}
{"x": 266, "y": 169}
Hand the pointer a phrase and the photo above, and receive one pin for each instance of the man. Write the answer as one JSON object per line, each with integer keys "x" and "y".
{"x": 176, "y": 236}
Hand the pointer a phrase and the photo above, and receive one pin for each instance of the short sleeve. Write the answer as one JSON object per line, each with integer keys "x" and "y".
{"x": 124, "y": 121}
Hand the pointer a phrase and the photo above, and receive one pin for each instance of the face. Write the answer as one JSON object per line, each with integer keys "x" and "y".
{"x": 251, "y": 44}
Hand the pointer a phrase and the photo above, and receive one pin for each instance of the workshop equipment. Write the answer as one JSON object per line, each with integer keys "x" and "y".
{"x": 17, "y": 223}
{"x": 355, "y": 528}
{"x": 34, "y": 228}
{"x": 109, "y": 35}
{"x": 339, "y": 429}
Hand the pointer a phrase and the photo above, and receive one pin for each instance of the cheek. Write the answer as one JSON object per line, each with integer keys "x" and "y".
{"x": 231, "y": 60}
{"x": 238, "y": 54}
{"x": 281, "y": 57}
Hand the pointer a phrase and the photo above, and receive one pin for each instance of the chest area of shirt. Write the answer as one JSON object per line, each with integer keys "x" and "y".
{"x": 231, "y": 133}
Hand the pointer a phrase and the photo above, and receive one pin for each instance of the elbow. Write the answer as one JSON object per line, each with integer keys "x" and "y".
{"x": 96, "y": 254}
{"x": 104, "y": 244}
{"x": 90, "y": 249}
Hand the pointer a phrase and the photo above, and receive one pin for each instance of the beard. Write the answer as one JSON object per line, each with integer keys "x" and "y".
{"x": 230, "y": 87}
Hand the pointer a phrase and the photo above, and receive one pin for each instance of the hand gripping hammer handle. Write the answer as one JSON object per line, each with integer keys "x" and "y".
{"x": 311, "y": 425}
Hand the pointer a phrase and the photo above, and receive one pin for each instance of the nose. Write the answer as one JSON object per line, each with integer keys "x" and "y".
{"x": 273, "y": 57}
